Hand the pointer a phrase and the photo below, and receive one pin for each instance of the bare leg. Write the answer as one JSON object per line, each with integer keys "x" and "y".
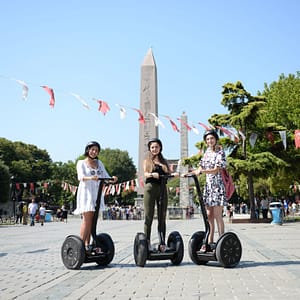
{"x": 211, "y": 221}
{"x": 218, "y": 213}
{"x": 86, "y": 227}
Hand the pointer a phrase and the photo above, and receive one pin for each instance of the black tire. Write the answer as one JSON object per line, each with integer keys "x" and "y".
{"x": 73, "y": 252}
{"x": 229, "y": 250}
{"x": 140, "y": 249}
{"x": 105, "y": 242}
{"x": 175, "y": 242}
{"x": 195, "y": 244}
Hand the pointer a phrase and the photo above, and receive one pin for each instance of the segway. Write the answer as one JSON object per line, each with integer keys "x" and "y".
{"x": 227, "y": 250}
{"x": 101, "y": 250}
{"x": 174, "y": 249}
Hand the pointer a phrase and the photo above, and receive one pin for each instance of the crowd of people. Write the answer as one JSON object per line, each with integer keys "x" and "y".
{"x": 262, "y": 207}
{"x": 31, "y": 213}
{"x": 35, "y": 212}
{"x": 121, "y": 212}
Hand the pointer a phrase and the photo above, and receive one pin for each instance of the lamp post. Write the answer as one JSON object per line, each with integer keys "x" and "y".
{"x": 13, "y": 195}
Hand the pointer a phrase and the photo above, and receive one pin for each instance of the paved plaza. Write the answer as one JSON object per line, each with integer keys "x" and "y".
{"x": 31, "y": 266}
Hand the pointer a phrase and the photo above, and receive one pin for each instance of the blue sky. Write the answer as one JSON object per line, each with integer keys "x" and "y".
{"x": 95, "y": 49}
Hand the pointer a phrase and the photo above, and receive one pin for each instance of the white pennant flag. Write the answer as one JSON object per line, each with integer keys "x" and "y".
{"x": 157, "y": 121}
{"x": 122, "y": 111}
{"x": 252, "y": 139}
{"x": 25, "y": 88}
{"x": 80, "y": 99}
{"x": 195, "y": 130}
{"x": 283, "y": 137}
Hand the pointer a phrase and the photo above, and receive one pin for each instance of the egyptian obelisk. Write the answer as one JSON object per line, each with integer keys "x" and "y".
{"x": 184, "y": 153}
{"x": 148, "y": 104}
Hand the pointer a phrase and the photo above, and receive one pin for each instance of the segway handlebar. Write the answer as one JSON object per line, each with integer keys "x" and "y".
{"x": 168, "y": 175}
{"x": 107, "y": 179}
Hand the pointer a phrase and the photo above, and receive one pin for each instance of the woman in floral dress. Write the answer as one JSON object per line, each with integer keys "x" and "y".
{"x": 214, "y": 194}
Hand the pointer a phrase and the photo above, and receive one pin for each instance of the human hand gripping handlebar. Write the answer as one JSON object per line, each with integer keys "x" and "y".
{"x": 112, "y": 179}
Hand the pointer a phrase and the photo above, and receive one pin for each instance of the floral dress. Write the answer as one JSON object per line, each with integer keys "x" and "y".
{"x": 88, "y": 190}
{"x": 214, "y": 191}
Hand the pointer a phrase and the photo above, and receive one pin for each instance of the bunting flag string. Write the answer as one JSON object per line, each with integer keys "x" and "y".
{"x": 113, "y": 189}
{"x": 104, "y": 108}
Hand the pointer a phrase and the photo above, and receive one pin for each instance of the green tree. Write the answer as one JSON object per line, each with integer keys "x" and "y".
{"x": 244, "y": 162}
{"x": 62, "y": 172}
{"x": 283, "y": 110}
{"x": 4, "y": 182}
{"x": 245, "y": 113}
{"x": 118, "y": 163}
{"x": 26, "y": 162}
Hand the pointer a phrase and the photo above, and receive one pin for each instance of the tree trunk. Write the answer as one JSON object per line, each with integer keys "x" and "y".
{"x": 251, "y": 196}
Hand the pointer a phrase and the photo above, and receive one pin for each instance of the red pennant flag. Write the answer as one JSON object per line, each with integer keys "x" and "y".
{"x": 132, "y": 187}
{"x": 103, "y": 107}
{"x": 51, "y": 93}
{"x": 174, "y": 126}
{"x": 204, "y": 126}
{"x": 270, "y": 136}
{"x": 141, "y": 182}
{"x": 228, "y": 132}
{"x": 185, "y": 124}
{"x": 141, "y": 116}
{"x": 297, "y": 138}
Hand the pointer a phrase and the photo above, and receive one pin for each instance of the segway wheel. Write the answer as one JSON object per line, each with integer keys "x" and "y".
{"x": 105, "y": 242}
{"x": 229, "y": 250}
{"x": 73, "y": 252}
{"x": 175, "y": 242}
{"x": 195, "y": 244}
{"x": 140, "y": 249}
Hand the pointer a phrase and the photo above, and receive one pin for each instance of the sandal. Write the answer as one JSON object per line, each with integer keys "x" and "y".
{"x": 98, "y": 250}
{"x": 88, "y": 249}
{"x": 203, "y": 249}
{"x": 162, "y": 248}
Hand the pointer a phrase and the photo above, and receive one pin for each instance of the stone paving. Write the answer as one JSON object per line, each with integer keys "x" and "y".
{"x": 31, "y": 266}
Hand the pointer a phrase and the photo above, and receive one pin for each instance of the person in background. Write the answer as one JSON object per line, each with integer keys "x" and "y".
{"x": 264, "y": 207}
{"x": 19, "y": 212}
{"x": 214, "y": 194}
{"x": 42, "y": 211}
{"x": 25, "y": 213}
{"x": 88, "y": 172}
{"x": 154, "y": 166}
{"x": 32, "y": 210}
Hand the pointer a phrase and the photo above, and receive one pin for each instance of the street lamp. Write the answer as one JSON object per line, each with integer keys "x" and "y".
{"x": 13, "y": 195}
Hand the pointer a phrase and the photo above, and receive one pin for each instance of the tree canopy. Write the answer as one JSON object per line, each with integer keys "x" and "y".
{"x": 267, "y": 115}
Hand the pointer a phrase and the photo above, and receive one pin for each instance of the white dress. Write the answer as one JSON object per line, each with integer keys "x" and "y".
{"x": 88, "y": 190}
